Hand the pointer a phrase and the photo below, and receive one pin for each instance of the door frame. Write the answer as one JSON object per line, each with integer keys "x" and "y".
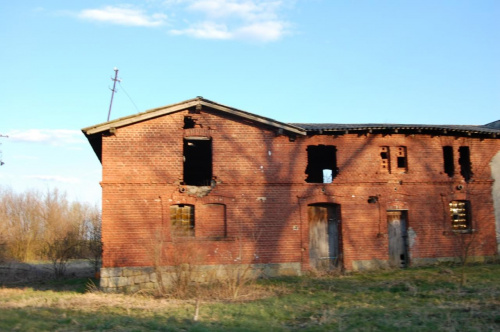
{"x": 333, "y": 219}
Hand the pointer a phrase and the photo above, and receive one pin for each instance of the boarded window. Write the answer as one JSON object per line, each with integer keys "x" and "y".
{"x": 449, "y": 165}
{"x": 460, "y": 215}
{"x": 385, "y": 161}
{"x": 214, "y": 221}
{"x": 182, "y": 220}
{"x": 198, "y": 161}
{"x": 464, "y": 162}
{"x": 321, "y": 163}
{"x": 402, "y": 162}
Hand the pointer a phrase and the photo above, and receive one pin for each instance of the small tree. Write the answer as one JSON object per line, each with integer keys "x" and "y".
{"x": 60, "y": 251}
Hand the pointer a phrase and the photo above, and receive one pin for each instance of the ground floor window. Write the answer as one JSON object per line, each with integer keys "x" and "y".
{"x": 182, "y": 220}
{"x": 460, "y": 215}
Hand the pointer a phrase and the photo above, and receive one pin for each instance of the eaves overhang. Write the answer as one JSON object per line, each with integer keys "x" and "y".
{"x": 484, "y": 131}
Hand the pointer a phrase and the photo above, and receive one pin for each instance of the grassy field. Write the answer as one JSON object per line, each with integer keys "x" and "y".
{"x": 423, "y": 299}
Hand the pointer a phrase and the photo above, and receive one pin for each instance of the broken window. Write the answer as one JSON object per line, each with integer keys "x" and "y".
{"x": 198, "y": 161}
{"x": 449, "y": 165}
{"x": 401, "y": 159}
{"x": 182, "y": 220}
{"x": 321, "y": 163}
{"x": 385, "y": 162}
{"x": 189, "y": 122}
{"x": 460, "y": 215}
{"x": 464, "y": 161}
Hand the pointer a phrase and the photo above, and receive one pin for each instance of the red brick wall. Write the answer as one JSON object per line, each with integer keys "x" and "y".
{"x": 261, "y": 196}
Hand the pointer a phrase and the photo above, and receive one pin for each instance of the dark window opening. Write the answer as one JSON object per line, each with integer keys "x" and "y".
{"x": 464, "y": 161}
{"x": 401, "y": 162}
{"x": 401, "y": 159}
{"x": 460, "y": 215}
{"x": 321, "y": 163}
{"x": 385, "y": 161}
{"x": 189, "y": 122}
{"x": 182, "y": 220}
{"x": 197, "y": 162}
{"x": 449, "y": 166}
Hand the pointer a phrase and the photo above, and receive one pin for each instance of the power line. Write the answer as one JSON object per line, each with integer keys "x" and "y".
{"x": 121, "y": 86}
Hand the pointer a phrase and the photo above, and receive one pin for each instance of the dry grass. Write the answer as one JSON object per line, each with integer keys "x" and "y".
{"x": 410, "y": 300}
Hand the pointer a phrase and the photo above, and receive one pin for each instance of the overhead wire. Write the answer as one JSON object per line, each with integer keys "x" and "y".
{"x": 121, "y": 86}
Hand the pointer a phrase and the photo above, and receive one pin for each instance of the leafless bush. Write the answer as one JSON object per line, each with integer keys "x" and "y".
{"x": 41, "y": 226}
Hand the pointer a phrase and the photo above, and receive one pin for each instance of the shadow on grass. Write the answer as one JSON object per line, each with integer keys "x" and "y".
{"x": 77, "y": 285}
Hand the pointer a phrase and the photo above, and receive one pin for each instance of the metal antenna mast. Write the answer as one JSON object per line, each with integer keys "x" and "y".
{"x": 113, "y": 90}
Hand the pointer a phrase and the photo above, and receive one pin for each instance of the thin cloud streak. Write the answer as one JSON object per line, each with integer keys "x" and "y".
{"x": 55, "y": 178}
{"x": 47, "y": 136}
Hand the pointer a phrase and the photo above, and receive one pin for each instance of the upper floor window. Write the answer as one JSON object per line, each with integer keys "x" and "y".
{"x": 197, "y": 161}
{"x": 464, "y": 161}
{"x": 449, "y": 161}
{"x": 385, "y": 160}
{"x": 460, "y": 215}
{"x": 321, "y": 163}
{"x": 399, "y": 158}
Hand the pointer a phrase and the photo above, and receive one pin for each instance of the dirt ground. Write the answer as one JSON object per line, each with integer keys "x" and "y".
{"x": 15, "y": 272}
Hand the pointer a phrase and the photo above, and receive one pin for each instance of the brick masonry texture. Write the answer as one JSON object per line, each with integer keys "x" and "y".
{"x": 256, "y": 209}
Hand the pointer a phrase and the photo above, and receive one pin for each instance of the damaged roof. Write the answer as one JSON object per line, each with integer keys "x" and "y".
{"x": 490, "y": 129}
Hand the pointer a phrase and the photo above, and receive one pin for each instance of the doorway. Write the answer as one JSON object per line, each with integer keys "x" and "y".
{"x": 397, "y": 228}
{"x": 324, "y": 236}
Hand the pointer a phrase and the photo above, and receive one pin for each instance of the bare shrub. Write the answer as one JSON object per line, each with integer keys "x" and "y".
{"x": 39, "y": 226}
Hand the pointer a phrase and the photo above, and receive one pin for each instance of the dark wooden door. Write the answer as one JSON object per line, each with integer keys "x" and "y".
{"x": 324, "y": 236}
{"x": 398, "y": 238}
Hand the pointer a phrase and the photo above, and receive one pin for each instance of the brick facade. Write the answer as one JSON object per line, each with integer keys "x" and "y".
{"x": 255, "y": 208}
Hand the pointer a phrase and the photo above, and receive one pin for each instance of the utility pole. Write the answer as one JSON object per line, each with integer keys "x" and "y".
{"x": 113, "y": 90}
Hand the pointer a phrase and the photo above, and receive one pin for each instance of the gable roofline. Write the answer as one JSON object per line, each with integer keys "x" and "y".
{"x": 199, "y": 101}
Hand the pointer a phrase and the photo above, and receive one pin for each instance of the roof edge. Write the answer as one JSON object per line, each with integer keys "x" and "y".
{"x": 156, "y": 112}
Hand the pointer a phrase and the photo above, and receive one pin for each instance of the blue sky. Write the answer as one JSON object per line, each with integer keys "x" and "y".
{"x": 425, "y": 61}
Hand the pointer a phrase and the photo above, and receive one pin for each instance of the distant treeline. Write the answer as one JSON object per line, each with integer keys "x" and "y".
{"x": 38, "y": 226}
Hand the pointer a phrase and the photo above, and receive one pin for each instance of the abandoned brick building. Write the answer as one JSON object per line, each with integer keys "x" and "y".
{"x": 202, "y": 183}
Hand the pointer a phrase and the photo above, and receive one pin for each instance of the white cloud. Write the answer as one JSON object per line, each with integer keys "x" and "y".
{"x": 205, "y": 30}
{"x": 256, "y": 20}
{"x": 46, "y": 136}
{"x": 262, "y": 31}
{"x": 123, "y": 16}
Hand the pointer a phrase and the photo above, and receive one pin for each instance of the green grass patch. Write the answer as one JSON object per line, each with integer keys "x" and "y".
{"x": 420, "y": 299}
